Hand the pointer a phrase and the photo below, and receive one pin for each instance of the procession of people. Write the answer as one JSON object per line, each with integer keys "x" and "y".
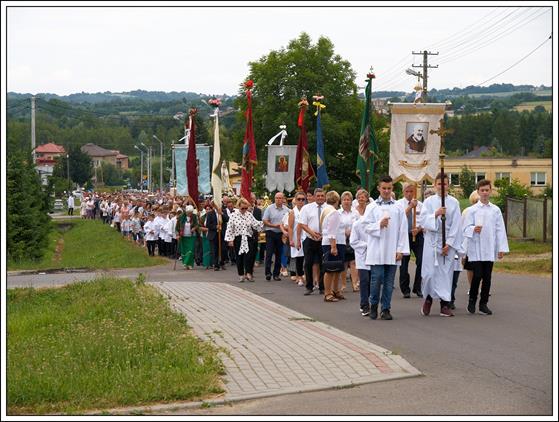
{"x": 321, "y": 239}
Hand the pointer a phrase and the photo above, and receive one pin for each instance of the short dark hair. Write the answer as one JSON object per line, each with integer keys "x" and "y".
{"x": 317, "y": 190}
{"x": 385, "y": 179}
{"x": 441, "y": 176}
{"x": 483, "y": 182}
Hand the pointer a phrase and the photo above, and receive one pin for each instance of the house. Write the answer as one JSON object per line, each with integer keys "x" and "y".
{"x": 46, "y": 156}
{"x": 99, "y": 155}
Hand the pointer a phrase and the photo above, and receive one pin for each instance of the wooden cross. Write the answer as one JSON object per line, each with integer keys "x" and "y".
{"x": 442, "y": 132}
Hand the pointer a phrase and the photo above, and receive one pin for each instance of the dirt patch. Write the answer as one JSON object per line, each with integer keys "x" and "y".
{"x": 58, "y": 250}
{"x": 64, "y": 227}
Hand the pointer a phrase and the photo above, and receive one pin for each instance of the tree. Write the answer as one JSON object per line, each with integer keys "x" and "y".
{"x": 467, "y": 181}
{"x": 27, "y": 213}
{"x": 81, "y": 166}
{"x": 281, "y": 78}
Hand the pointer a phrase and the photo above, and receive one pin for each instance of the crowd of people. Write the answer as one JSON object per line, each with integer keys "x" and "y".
{"x": 325, "y": 241}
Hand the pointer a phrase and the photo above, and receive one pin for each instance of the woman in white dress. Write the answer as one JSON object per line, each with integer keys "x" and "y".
{"x": 296, "y": 244}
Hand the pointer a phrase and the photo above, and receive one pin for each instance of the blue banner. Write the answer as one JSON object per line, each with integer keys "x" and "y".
{"x": 321, "y": 175}
{"x": 203, "y": 158}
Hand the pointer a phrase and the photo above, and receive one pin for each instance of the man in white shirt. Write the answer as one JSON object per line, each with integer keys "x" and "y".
{"x": 71, "y": 204}
{"x": 408, "y": 203}
{"x": 387, "y": 229}
{"x": 272, "y": 218}
{"x": 484, "y": 229}
{"x": 309, "y": 233}
{"x": 438, "y": 259}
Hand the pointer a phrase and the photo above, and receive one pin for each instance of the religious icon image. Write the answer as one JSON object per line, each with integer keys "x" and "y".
{"x": 416, "y": 133}
{"x": 282, "y": 163}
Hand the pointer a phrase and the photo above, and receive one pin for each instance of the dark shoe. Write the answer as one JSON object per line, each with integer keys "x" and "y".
{"x": 386, "y": 315}
{"x": 418, "y": 293}
{"x": 406, "y": 296}
{"x": 276, "y": 278}
{"x": 365, "y": 311}
{"x": 268, "y": 277}
{"x": 472, "y": 307}
{"x": 452, "y": 306}
{"x": 374, "y": 312}
{"x": 216, "y": 269}
{"x": 446, "y": 312}
{"x": 339, "y": 296}
{"x": 330, "y": 299}
{"x": 308, "y": 292}
{"x": 483, "y": 309}
{"x": 426, "y": 308}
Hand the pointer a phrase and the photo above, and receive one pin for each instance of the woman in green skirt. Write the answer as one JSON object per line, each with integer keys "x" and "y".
{"x": 187, "y": 225}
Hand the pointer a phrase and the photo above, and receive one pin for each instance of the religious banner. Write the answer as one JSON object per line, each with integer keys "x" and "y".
{"x": 202, "y": 168}
{"x": 414, "y": 150}
{"x": 281, "y": 168}
{"x": 321, "y": 173}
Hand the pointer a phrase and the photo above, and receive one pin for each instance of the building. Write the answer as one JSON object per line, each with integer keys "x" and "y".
{"x": 99, "y": 155}
{"x": 536, "y": 173}
{"x": 46, "y": 156}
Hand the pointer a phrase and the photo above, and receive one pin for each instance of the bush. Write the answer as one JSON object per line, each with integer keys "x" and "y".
{"x": 508, "y": 189}
{"x": 467, "y": 181}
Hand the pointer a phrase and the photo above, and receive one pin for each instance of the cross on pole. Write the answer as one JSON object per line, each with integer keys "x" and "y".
{"x": 442, "y": 132}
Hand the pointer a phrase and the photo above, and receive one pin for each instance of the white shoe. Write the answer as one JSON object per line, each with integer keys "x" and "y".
{"x": 300, "y": 283}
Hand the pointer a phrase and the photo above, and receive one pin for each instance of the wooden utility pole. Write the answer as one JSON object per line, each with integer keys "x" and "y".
{"x": 33, "y": 128}
{"x": 425, "y": 66}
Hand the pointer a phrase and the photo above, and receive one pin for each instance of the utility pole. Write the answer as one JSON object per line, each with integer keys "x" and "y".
{"x": 33, "y": 128}
{"x": 68, "y": 171}
{"x": 141, "y": 167}
{"x": 160, "y": 163}
{"x": 425, "y": 66}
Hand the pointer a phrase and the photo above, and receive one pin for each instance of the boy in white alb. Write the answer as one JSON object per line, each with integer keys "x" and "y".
{"x": 387, "y": 228}
{"x": 487, "y": 240}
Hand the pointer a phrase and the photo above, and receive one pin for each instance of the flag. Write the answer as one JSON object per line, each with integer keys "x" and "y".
{"x": 322, "y": 176}
{"x": 249, "y": 147}
{"x": 367, "y": 144}
{"x": 191, "y": 161}
{"x": 304, "y": 171}
{"x": 217, "y": 186}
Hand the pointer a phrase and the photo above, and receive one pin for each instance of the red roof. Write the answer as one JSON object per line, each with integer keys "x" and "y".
{"x": 50, "y": 148}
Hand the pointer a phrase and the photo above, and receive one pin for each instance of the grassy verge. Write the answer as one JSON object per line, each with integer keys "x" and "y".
{"x": 88, "y": 244}
{"x": 529, "y": 247}
{"x": 102, "y": 344}
{"x": 536, "y": 266}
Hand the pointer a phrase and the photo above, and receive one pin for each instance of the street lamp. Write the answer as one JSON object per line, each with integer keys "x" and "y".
{"x": 149, "y": 164}
{"x": 68, "y": 171}
{"x": 141, "y": 167}
{"x": 160, "y": 164}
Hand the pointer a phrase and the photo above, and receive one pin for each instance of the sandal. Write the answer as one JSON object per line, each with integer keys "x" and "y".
{"x": 339, "y": 296}
{"x": 330, "y": 299}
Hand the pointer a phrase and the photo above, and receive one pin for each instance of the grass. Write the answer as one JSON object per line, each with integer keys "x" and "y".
{"x": 536, "y": 266}
{"x": 102, "y": 344}
{"x": 528, "y": 106}
{"x": 518, "y": 248}
{"x": 89, "y": 244}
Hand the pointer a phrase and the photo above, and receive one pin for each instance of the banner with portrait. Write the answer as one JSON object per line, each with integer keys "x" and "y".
{"x": 414, "y": 151}
{"x": 281, "y": 168}
{"x": 203, "y": 169}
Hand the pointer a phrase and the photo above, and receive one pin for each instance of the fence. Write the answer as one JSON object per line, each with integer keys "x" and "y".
{"x": 529, "y": 218}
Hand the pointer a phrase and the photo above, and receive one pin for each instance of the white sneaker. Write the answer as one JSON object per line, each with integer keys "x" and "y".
{"x": 300, "y": 283}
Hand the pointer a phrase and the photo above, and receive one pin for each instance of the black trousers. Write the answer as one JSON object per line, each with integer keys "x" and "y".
{"x": 313, "y": 255}
{"x": 70, "y": 211}
{"x": 151, "y": 247}
{"x": 299, "y": 265}
{"x": 245, "y": 261}
{"x": 274, "y": 247}
{"x": 214, "y": 247}
{"x": 417, "y": 249}
{"x": 482, "y": 273}
{"x": 161, "y": 247}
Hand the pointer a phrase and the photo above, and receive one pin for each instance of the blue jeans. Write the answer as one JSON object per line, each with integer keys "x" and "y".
{"x": 364, "y": 287}
{"x": 382, "y": 275}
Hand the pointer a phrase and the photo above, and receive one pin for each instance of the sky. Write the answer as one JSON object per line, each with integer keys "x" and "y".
{"x": 65, "y": 50}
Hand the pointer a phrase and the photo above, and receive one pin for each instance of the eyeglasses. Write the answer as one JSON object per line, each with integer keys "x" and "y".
{"x": 300, "y": 199}
{"x": 244, "y": 209}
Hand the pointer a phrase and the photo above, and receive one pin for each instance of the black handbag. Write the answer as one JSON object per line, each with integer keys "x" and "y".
{"x": 332, "y": 266}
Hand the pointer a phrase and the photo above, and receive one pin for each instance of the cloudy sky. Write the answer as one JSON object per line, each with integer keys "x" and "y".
{"x": 64, "y": 50}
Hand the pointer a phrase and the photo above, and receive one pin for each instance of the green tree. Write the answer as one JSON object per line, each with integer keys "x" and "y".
{"x": 112, "y": 176}
{"x": 27, "y": 214}
{"x": 507, "y": 189}
{"x": 281, "y": 78}
{"x": 467, "y": 181}
{"x": 81, "y": 166}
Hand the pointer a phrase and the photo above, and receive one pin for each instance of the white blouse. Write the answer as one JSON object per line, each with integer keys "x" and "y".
{"x": 332, "y": 227}
{"x": 242, "y": 225}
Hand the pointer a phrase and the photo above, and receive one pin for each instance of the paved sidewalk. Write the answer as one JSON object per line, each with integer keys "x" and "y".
{"x": 274, "y": 350}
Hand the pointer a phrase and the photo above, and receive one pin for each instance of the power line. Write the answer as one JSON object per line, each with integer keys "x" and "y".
{"x": 522, "y": 59}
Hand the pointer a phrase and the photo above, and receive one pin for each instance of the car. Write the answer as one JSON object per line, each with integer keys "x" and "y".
{"x": 58, "y": 204}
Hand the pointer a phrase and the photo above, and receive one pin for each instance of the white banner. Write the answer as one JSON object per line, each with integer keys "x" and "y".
{"x": 414, "y": 152}
{"x": 281, "y": 168}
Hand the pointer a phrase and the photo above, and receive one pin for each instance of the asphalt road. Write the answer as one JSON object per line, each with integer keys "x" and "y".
{"x": 472, "y": 364}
